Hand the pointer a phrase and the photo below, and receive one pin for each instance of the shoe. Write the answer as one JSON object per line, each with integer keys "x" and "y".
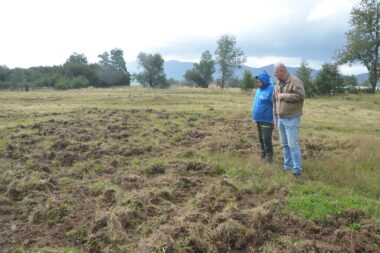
{"x": 297, "y": 174}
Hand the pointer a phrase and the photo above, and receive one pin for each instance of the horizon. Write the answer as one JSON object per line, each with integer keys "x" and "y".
{"x": 128, "y": 64}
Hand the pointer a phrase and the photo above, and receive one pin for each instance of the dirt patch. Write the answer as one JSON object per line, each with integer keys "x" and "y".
{"x": 15, "y": 194}
{"x": 355, "y": 241}
{"x": 68, "y": 158}
{"x": 129, "y": 182}
{"x": 123, "y": 181}
{"x": 232, "y": 235}
{"x": 155, "y": 169}
{"x": 195, "y": 166}
{"x": 60, "y": 145}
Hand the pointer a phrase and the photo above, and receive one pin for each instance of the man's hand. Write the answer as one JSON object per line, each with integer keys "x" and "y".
{"x": 281, "y": 96}
{"x": 275, "y": 123}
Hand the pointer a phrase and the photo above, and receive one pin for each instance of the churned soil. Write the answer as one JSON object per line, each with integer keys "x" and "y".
{"x": 128, "y": 181}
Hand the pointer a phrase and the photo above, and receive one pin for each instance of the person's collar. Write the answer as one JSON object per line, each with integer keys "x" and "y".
{"x": 286, "y": 79}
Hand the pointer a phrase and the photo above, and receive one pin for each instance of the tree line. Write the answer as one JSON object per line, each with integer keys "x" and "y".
{"x": 111, "y": 70}
{"x": 75, "y": 73}
{"x": 328, "y": 81}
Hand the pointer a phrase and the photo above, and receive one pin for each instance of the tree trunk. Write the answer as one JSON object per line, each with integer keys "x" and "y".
{"x": 373, "y": 81}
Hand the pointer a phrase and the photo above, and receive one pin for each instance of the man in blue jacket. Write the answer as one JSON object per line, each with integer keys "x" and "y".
{"x": 263, "y": 114}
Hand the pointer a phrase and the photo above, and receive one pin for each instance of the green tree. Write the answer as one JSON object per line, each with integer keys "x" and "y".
{"x": 304, "y": 73}
{"x": 119, "y": 67}
{"x": 104, "y": 60}
{"x": 365, "y": 83}
{"x": 193, "y": 76}
{"x": 112, "y": 68}
{"x": 201, "y": 74}
{"x": 234, "y": 82}
{"x": 117, "y": 60}
{"x": 350, "y": 81}
{"x": 77, "y": 66}
{"x": 229, "y": 57}
{"x": 47, "y": 76}
{"x": 18, "y": 80}
{"x": 63, "y": 83}
{"x": 79, "y": 82}
{"x": 363, "y": 39}
{"x": 153, "y": 71}
{"x": 4, "y": 77}
{"x": 77, "y": 58}
{"x": 328, "y": 79}
{"x": 248, "y": 82}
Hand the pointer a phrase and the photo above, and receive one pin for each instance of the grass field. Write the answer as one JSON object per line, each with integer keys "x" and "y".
{"x": 177, "y": 170}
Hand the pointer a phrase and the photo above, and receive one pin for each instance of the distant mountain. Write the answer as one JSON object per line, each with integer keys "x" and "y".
{"x": 176, "y": 70}
{"x": 269, "y": 69}
{"x": 363, "y": 77}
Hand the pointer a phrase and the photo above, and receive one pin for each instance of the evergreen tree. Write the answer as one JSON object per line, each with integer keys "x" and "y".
{"x": 304, "y": 73}
{"x": 248, "y": 82}
{"x": 328, "y": 79}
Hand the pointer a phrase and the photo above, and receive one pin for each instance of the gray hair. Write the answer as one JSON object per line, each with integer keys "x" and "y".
{"x": 280, "y": 66}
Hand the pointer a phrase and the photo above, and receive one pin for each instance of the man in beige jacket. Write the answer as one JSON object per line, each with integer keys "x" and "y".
{"x": 288, "y": 98}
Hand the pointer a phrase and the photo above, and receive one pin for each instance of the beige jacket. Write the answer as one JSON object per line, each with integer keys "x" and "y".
{"x": 292, "y": 104}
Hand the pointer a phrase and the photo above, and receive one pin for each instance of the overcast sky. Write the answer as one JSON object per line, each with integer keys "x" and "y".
{"x": 47, "y": 32}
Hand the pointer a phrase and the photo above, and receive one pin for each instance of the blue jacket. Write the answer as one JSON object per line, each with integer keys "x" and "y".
{"x": 263, "y": 104}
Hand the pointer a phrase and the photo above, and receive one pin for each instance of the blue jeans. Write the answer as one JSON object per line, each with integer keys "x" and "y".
{"x": 288, "y": 129}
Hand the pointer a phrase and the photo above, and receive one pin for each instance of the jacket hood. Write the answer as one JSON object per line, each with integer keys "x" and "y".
{"x": 264, "y": 76}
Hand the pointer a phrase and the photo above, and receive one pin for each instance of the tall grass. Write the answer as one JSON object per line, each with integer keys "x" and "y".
{"x": 250, "y": 173}
{"x": 358, "y": 172}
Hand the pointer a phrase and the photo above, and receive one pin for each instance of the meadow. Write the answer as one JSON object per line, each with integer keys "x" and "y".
{"x": 178, "y": 170}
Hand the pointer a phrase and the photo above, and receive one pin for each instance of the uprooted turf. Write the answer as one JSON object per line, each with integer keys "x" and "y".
{"x": 136, "y": 170}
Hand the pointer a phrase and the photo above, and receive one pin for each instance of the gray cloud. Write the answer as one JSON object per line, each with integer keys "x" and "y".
{"x": 294, "y": 35}
{"x": 300, "y": 41}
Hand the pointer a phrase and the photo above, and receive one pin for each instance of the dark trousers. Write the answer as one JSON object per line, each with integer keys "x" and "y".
{"x": 265, "y": 137}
